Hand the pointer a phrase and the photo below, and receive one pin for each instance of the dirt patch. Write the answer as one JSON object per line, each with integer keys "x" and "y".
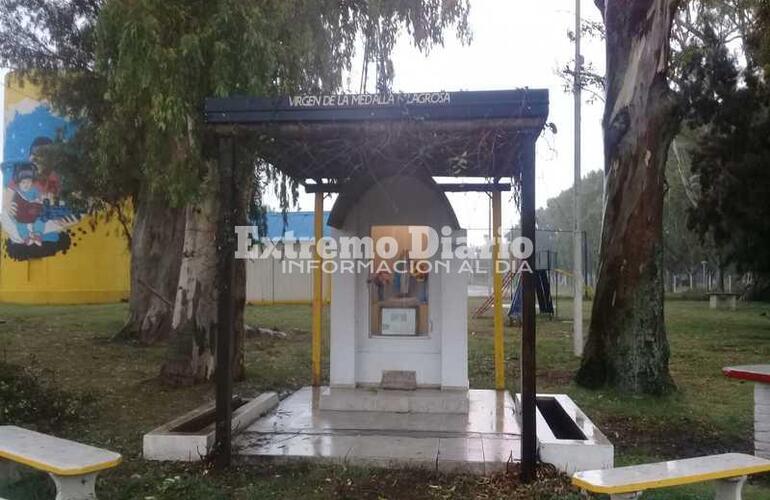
{"x": 677, "y": 437}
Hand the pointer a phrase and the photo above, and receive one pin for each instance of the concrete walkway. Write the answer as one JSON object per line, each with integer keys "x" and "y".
{"x": 481, "y": 442}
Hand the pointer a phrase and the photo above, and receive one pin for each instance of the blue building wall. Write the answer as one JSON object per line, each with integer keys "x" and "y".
{"x": 301, "y": 223}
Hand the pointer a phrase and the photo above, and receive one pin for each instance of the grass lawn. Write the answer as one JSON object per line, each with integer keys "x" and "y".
{"x": 70, "y": 348}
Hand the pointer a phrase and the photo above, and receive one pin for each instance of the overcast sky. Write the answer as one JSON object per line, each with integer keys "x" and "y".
{"x": 516, "y": 43}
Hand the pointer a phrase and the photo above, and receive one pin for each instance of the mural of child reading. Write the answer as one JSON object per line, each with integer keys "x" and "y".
{"x": 33, "y": 219}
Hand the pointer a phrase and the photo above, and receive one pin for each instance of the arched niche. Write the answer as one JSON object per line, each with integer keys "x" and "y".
{"x": 361, "y": 350}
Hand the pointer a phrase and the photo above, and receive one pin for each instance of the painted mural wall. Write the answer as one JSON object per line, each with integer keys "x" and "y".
{"x": 50, "y": 253}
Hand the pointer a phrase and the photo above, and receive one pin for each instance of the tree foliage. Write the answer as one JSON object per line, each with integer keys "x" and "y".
{"x": 53, "y": 44}
{"x": 46, "y": 37}
{"x": 134, "y": 74}
{"x": 162, "y": 58}
{"x": 729, "y": 156}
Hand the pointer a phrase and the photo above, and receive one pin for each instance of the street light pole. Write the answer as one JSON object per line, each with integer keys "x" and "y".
{"x": 577, "y": 242}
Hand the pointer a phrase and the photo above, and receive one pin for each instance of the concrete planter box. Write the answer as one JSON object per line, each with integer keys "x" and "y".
{"x": 567, "y": 438}
{"x": 190, "y": 438}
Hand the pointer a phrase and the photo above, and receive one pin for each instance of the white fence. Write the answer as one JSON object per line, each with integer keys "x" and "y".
{"x": 267, "y": 282}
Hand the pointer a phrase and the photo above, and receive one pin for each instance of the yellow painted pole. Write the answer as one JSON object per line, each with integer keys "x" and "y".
{"x": 317, "y": 290}
{"x": 498, "y": 294}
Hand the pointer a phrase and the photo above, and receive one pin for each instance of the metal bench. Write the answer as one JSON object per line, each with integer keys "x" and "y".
{"x": 72, "y": 466}
{"x": 728, "y": 471}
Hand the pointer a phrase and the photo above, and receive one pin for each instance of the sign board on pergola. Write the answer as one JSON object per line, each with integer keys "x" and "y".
{"x": 343, "y": 143}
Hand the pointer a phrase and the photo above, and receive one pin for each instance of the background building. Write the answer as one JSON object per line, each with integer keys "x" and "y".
{"x": 268, "y": 281}
{"x": 50, "y": 254}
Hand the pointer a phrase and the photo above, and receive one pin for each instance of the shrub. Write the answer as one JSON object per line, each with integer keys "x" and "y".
{"x": 26, "y": 400}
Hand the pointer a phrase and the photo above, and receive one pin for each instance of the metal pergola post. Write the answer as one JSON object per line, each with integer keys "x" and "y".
{"x": 528, "y": 316}
{"x": 225, "y": 302}
{"x": 317, "y": 310}
{"x": 497, "y": 284}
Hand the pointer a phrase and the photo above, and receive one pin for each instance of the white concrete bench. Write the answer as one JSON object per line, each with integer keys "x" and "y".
{"x": 72, "y": 466}
{"x": 728, "y": 471}
{"x": 716, "y": 298}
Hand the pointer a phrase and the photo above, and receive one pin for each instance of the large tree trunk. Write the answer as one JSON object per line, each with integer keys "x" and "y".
{"x": 191, "y": 355}
{"x": 156, "y": 254}
{"x": 627, "y": 346}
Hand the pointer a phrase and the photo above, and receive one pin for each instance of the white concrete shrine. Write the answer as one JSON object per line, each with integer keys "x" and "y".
{"x": 399, "y": 340}
{"x": 435, "y": 348}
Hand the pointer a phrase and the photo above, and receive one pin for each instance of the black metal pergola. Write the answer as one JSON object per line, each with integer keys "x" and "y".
{"x": 342, "y": 141}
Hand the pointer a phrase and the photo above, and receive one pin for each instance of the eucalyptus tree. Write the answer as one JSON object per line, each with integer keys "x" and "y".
{"x": 627, "y": 344}
{"x": 133, "y": 76}
{"x": 161, "y": 58}
{"x": 657, "y": 75}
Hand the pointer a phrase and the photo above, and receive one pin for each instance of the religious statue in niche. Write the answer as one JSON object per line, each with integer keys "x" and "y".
{"x": 33, "y": 217}
{"x": 420, "y": 276}
{"x": 399, "y": 289}
{"x": 380, "y": 279}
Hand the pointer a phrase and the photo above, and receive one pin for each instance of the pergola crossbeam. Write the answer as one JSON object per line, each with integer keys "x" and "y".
{"x": 447, "y": 188}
